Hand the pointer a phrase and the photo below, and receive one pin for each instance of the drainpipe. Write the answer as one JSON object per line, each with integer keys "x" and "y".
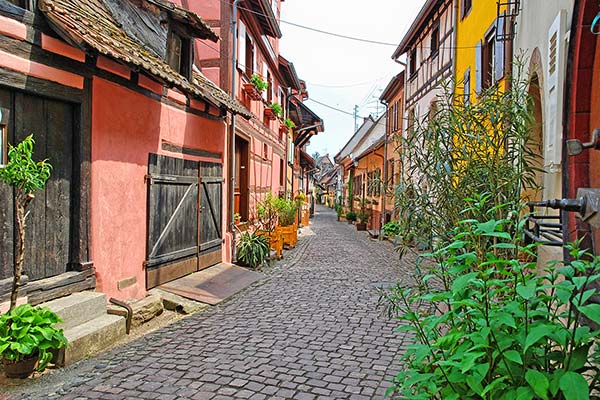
{"x": 232, "y": 144}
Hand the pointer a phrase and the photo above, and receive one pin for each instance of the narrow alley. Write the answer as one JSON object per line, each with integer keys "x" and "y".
{"x": 312, "y": 329}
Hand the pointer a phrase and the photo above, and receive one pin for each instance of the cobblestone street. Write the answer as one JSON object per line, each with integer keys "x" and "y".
{"x": 311, "y": 330}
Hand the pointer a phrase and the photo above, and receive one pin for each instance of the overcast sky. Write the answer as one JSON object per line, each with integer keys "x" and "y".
{"x": 341, "y": 72}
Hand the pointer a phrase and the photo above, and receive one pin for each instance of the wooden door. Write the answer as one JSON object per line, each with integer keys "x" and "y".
{"x": 211, "y": 214}
{"x": 47, "y": 237}
{"x": 184, "y": 217}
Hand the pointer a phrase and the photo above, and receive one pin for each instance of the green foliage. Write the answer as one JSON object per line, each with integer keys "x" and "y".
{"x": 489, "y": 327}
{"x": 252, "y": 249}
{"x": 351, "y": 216}
{"x": 460, "y": 150}
{"x": 339, "y": 210}
{"x": 26, "y": 331}
{"x": 267, "y": 212}
{"x": 277, "y": 109}
{"x": 286, "y": 211}
{"x": 22, "y": 172}
{"x": 363, "y": 217}
{"x": 258, "y": 82}
{"x": 289, "y": 123}
{"x": 391, "y": 228}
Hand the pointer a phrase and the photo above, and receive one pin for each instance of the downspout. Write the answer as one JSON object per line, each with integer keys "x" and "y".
{"x": 232, "y": 143}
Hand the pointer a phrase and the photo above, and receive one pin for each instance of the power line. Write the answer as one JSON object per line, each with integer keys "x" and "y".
{"x": 331, "y": 107}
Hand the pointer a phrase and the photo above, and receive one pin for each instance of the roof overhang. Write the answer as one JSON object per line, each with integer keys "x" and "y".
{"x": 267, "y": 19}
{"x": 195, "y": 24}
{"x": 416, "y": 27}
{"x": 288, "y": 71}
{"x": 393, "y": 87}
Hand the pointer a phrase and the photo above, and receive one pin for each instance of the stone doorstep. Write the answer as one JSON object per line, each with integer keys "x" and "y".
{"x": 91, "y": 338}
{"x": 145, "y": 309}
{"x": 78, "y": 308}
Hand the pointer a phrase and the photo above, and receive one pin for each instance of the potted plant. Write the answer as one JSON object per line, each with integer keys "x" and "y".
{"x": 27, "y": 338}
{"x": 267, "y": 216}
{"x": 339, "y": 211}
{"x": 289, "y": 123}
{"x": 286, "y": 216}
{"x": 237, "y": 218}
{"x": 363, "y": 218}
{"x": 255, "y": 87}
{"x": 273, "y": 111}
{"x": 391, "y": 229}
{"x": 252, "y": 249}
{"x": 25, "y": 176}
{"x": 351, "y": 217}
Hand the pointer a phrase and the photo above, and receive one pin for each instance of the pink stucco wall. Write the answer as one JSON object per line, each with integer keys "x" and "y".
{"x": 126, "y": 127}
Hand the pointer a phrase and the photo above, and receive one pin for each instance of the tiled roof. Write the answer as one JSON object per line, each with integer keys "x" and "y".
{"x": 89, "y": 25}
{"x": 187, "y": 17}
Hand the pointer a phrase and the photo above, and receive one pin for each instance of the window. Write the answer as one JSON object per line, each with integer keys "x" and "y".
{"x": 265, "y": 151}
{"x": 435, "y": 41}
{"x": 4, "y": 114}
{"x": 281, "y": 172}
{"x": 411, "y": 121}
{"x": 413, "y": 62}
{"x": 465, "y": 8}
{"x": 249, "y": 55}
{"x": 395, "y": 117}
{"x": 179, "y": 53}
{"x": 270, "y": 88}
{"x": 390, "y": 174}
{"x": 467, "y": 86}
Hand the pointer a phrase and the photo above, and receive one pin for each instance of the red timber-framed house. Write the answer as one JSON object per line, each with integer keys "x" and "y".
{"x": 136, "y": 136}
{"x": 393, "y": 97}
{"x": 262, "y": 143}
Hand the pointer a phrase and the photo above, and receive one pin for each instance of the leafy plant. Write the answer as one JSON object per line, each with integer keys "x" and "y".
{"x": 363, "y": 217}
{"x": 25, "y": 176}
{"x": 289, "y": 123}
{"x": 286, "y": 211}
{"x": 267, "y": 212}
{"x": 462, "y": 149}
{"x": 391, "y": 228}
{"x": 489, "y": 327}
{"x": 351, "y": 216}
{"x": 339, "y": 210}
{"x": 277, "y": 109}
{"x": 26, "y": 331}
{"x": 259, "y": 83}
{"x": 300, "y": 199}
{"x": 252, "y": 249}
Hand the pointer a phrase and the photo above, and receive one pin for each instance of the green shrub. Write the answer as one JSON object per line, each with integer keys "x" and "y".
{"x": 258, "y": 82}
{"x": 289, "y": 123}
{"x": 286, "y": 211}
{"x": 252, "y": 249}
{"x": 351, "y": 216}
{"x": 391, "y": 228}
{"x": 488, "y": 327}
{"x": 277, "y": 109}
{"x": 26, "y": 331}
{"x": 339, "y": 210}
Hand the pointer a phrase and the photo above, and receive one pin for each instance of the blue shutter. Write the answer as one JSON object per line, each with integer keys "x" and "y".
{"x": 478, "y": 71}
{"x": 499, "y": 51}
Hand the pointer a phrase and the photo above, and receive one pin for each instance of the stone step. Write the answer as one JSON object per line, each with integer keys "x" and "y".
{"x": 92, "y": 337}
{"x": 78, "y": 308}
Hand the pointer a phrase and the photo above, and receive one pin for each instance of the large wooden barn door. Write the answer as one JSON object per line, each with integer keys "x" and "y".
{"x": 184, "y": 214}
{"x": 49, "y": 221}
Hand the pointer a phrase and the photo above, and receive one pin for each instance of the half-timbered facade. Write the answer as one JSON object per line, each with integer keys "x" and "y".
{"x": 136, "y": 135}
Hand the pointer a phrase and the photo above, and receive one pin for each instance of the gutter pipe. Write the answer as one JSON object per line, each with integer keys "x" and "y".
{"x": 232, "y": 138}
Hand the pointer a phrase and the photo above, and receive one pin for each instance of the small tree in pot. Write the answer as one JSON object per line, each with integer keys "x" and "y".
{"x": 25, "y": 176}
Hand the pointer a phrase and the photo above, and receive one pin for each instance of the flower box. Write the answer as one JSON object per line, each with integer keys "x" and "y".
{"x": 289, "y": 234}
{"x": 275, "y": 241}
{"x": 252, "y": 91}
{"x": 269, "y": 114}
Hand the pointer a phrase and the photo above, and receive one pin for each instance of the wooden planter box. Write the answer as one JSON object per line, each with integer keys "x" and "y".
{"x": 289, "y": 234}
{"x": 252, "y": 91}
{"x": 275, "y": 241}
{"x": 361, "y": 226}
{"x": 305, "y": 217}
{"x": 269, "y": 114}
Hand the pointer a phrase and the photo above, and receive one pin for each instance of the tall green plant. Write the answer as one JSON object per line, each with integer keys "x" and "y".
{"x": 488, "y": 327}
{"x": 252, "y": 249}
{"x": 25, "y": 176}
{"x": 286, "y": 211}
{"x": 267, "y": 212}
{"x": 463, "y": 149}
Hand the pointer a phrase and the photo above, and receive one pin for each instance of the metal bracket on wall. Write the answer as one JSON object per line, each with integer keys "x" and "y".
{"x": 576, "y": 147}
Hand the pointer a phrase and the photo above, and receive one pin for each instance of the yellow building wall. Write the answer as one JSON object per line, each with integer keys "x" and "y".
{"x": 470, "y": 30}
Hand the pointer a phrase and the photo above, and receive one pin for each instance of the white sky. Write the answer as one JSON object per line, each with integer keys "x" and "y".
{"x": 326, "y": 60}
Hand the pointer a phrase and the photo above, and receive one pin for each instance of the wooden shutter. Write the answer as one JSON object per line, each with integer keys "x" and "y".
{"x": 478, "y": 69}
{"x": 265, "y": 72}
{"x": 241, "y": 45}
{"x": 499, "y": 44}
{"x": 555, "y": 90}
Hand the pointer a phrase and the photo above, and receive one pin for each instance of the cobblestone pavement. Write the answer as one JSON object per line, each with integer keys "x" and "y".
{"x": 311, "y": 330}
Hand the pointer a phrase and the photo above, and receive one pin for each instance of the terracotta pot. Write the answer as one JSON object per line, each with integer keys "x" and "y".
{"x": 252, "y": 91}
{"x": 20, "y": 369}
{"x": 270, "y": 114}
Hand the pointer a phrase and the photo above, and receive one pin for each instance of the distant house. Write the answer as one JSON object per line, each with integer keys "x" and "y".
{"x": 429, "y": 47}
{"x": 136, "y": 135}
{"x": 364, "y": 166}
